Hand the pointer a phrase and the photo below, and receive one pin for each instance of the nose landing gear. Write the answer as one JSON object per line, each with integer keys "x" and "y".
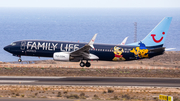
{"x": 19, "y": 60}
{"x": 87, "y": 64}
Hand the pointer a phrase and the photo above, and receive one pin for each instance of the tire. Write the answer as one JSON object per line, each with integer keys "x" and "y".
{"x": 82, "y": 64}
{"x": 19, "y": 60}
{"x": 88, "y": 64}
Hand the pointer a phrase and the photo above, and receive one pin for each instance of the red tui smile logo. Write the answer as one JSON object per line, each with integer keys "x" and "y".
{"x": 157, "y": 41}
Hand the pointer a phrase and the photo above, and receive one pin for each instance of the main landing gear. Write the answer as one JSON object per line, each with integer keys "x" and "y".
{"x": 87, "y": 64}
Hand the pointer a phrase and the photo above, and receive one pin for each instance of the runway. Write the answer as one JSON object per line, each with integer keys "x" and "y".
{"x": 90, "y": 81}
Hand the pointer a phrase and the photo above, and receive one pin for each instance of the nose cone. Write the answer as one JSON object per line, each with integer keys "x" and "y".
{"x": 7, "y": 48}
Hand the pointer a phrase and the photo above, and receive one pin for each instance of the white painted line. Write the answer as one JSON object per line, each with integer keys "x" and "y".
{"x": 16, "y": 81}
{"x": 44, "y": 77}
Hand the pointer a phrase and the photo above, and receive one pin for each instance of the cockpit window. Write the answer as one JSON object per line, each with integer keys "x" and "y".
{"x": 13, "y": 44}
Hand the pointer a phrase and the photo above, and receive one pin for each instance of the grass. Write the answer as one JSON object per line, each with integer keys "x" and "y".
{"x": 6, "y": 68}
{"x": 126, "y": 96}
{"x": 82, "y": 96}
{"x": 115, "y": 98}
{"x": 83, "y": 69}
{"x": 96, "y": 97}
{"x": 111, "y": 72}
{"x": 22, "y": 95}
{"x": 126, "y": 72}
{"x": 17, "y": 94}
{"x": 98, "y": 71}
{"x": 104, "y": 92}
{"x": 65, "y": 92}
{"x": 72, "y": 96}
{"x": 59, "y": 94}
{"x": 110, "y": 90}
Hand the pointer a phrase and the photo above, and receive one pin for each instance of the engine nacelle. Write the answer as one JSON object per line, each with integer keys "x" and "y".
{"x": 61, "y": 56}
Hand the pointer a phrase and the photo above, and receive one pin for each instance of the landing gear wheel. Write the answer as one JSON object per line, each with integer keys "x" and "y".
{"x": 88, "y": 64}
{"x": 19, "y": 60}
{"x": 82, "y": 64}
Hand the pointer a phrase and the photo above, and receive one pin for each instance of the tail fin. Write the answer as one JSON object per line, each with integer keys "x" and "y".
{"x": 157, "y": 36}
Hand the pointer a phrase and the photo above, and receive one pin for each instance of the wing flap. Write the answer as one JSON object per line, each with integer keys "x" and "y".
{"x": 89, "y": 56}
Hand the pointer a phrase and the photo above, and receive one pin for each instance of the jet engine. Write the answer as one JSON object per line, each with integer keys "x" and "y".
{"x": 62, "y": 56}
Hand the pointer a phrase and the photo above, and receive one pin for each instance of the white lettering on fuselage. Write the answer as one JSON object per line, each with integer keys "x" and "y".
{"x": 41, "y": 45}
{"x": 28, "y": 45}
{"x": 33, "y": 45}
{"x": 69, "y": 47}
{"x": 51, "y": 46}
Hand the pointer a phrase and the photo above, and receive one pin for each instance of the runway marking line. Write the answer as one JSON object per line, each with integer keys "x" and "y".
{"x": 16, "y": 81}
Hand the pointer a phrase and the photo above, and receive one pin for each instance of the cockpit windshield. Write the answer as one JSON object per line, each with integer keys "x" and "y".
{"x": 13, "y": 44}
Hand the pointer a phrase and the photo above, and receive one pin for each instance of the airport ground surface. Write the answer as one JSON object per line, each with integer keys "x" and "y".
{"x": 166, "y": 65}
{"x": 104, "y": 80}
{"x": 130, "y": 93}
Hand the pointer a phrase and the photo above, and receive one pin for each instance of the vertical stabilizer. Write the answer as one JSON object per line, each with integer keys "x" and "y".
{"x": 157, "y": 36}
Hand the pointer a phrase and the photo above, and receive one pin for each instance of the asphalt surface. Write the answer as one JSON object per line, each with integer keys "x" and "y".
{"x": 91, "y": 81}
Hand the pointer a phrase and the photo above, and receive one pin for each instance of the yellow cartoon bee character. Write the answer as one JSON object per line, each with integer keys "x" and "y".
{"x": 140, "y": 53}
{"x": 136, "y": 52}
{"x": 144, "y": 53}
{"x": 117, "y": 52}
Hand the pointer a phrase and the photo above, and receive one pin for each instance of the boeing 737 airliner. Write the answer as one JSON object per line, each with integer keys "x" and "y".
{"x": 150, "y": 46}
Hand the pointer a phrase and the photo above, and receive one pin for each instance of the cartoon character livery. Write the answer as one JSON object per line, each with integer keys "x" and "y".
{"x": 150, "y": 46}
{"x": 140, "y": 52}
{"x": 118, "y": 54}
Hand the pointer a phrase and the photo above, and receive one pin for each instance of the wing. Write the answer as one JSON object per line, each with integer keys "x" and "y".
{"x": 84, "y": 51}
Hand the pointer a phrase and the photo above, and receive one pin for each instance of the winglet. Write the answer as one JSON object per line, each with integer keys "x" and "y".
{"x": 124, "y": 41}
{"x": 92, "y": 41}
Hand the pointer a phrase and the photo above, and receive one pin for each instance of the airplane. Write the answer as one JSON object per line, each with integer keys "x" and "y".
{"x": 150, "y": 46}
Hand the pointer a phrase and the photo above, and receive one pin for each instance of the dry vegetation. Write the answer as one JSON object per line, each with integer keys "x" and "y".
{"x": 88, "y": 92}
{"x": 30, "y": 71}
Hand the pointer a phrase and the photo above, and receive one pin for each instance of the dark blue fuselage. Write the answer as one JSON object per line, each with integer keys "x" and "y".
{"x": 43, "y": 48}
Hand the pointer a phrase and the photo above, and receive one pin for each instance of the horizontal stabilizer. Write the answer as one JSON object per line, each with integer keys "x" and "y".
{"x": 167, "y": 49}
